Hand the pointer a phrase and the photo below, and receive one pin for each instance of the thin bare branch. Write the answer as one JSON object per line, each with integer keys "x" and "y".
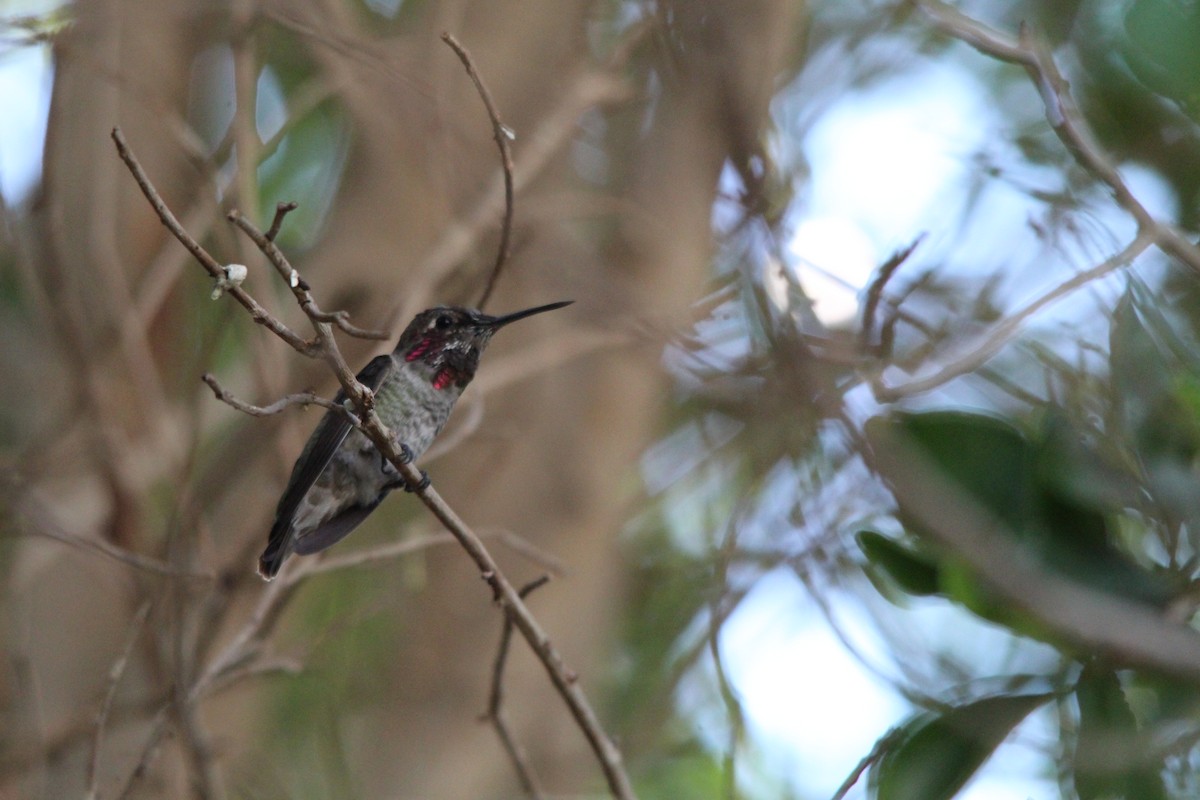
{"x": 158, "y": 729}
{"x": 564, "y": 679}
{"x": 261, "y": 668}
{"x": 41, "y": 523}
{"x": 716, "y": 617}
{"x": 372, "y": 556}
{"x": 875, "y": 290}
{"x": 281, "y": 211}
{"x": 870, "y": 758}
{"x": 523, "y": 547}
{"x": 1006, "y": 329}
{"x": 502, "y": 134}
{"x": 325, "y": 346}
{"x": 342, "y": 320}
{"x": 297, "y": 399}
{"x": 459, "y": 236}
{"x": 259, "y": 314}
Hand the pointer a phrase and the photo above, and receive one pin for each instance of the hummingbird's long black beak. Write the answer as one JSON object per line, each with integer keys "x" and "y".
{"x": 499, "y": 322}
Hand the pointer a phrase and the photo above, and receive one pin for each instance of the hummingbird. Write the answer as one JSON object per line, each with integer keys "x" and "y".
{"x": 340, "y": 476}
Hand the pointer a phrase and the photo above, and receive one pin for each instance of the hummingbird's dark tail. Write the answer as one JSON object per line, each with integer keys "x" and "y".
{"x": 277, "y": 550}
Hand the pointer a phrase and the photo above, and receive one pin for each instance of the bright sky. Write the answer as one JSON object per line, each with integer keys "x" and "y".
{"x": 882, "y": 158}
{"x": 25, "y": 78}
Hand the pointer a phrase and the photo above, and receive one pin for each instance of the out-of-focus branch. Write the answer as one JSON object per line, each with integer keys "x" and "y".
{"x": 882, "y": 746}
{"x": 875, "y": 291}
{"x": 1069, "y": 124}
{"x": 1063, "y": 114}
{"x": 1128, "y": 634}
{"x": 1003, "y": 331}
{"x": 716, "y": 616}
{"x": 503, "y": 135}
{"x": 114, "y": 679}
{"x": 41, "y": 523}
{"x": 554, "y": 132}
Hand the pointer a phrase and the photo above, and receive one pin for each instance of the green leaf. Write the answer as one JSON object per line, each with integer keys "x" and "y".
{"x": 934, "y": 754}
{"x": 1019, "y": 482}
{"x": 1110, "y": 759}
{"x": 985, "y": 457}
{"x": 1161, "y": 49}
{"x": 912, "y": 571}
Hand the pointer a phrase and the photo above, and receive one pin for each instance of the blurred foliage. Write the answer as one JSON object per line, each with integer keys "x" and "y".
{"x": 1081, "y": 437}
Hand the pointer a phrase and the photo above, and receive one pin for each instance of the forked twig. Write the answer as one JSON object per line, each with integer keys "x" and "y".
{"x": 281, "y": 211}
{"x": 495, "y": 712}
{"x": 1063, "y": 114}
{"x": 114, "y": 679}
{"x": 875, "y": 290}
{"x": 214, "y": 269}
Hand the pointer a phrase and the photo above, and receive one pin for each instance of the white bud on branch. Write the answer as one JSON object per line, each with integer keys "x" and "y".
{"x": 234, "y": 275}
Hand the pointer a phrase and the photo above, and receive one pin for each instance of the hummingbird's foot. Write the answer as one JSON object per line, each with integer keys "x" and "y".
{"x": 397, "y": 480}
{"x": 389, "y": 469}
{"x": 421, "y": 486}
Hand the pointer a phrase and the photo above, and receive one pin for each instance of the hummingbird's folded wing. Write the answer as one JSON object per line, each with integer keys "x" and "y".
{"x": 331, "y": 431}
{"x": 335, "y": 529}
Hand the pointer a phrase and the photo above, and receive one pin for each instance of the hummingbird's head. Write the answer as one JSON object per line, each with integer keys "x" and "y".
{"x": 450, "y": 339}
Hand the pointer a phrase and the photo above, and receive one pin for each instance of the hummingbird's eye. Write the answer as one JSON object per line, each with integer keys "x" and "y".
{"x": 443, "y": 322}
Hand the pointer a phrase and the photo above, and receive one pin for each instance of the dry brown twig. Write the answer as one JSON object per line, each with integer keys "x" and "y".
{"x": 241, "y": 649}
{"x": 589, "y": 90}
{"x": 299, "y": 399}
{"x": 259, "y": 314}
